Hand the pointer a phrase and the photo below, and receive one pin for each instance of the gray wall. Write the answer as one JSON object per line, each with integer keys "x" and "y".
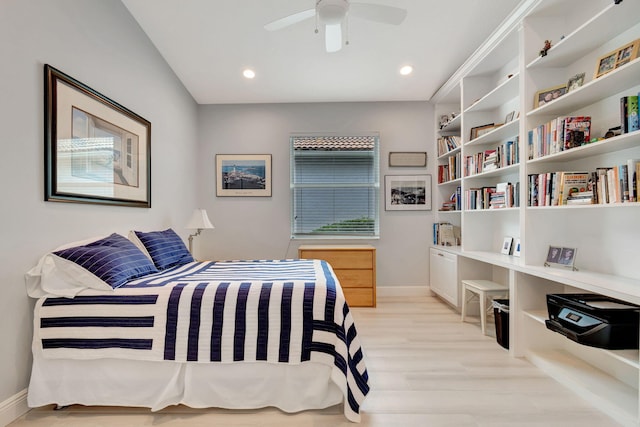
{"x": 258, "y": 227}
{"x": 100, "y": 44}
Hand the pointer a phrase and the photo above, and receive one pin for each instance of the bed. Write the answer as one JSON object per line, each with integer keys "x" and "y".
{"x": 240, "y": 334}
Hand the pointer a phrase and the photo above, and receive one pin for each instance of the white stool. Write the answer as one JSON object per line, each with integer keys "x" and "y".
{"x": 482, "y": 289}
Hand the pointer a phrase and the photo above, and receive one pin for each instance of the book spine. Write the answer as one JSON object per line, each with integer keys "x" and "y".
{"x": 623, "y": 114}
{"x": 632, "y": 113}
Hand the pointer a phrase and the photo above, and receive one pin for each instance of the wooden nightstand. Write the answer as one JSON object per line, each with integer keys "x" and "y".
{"x": 355, "y": 266}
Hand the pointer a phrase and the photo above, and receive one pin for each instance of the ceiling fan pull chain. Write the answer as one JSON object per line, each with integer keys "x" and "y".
{"x": 316, "y": 15}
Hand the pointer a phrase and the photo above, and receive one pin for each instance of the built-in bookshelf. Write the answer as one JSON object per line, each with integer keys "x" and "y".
{"x": 495, "y": 92}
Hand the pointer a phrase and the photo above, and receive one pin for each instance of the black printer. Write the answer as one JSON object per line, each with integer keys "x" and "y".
{"x": 594, "y": 320}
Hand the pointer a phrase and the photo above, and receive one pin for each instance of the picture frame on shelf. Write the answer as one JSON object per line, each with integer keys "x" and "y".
{"x": 575, "y": 82}
{"x": 545, "y": 96}
{"x": 481, "y": 130}
{"x": 507, "y": 244}
{"x": 516, "y": 248}
{"x": 244, "y": 175}
{"x": 411, "y": 159}
{"x": 96, "y": 150}
{"x": 617, "y": 58}
{"x": 407, "y": 192}
{"x": 563, "y": 257}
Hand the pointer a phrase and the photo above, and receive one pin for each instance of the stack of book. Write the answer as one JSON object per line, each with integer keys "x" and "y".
{"x": 490, "y": 160}
{"x": 446, "y": 234}
{"x": 503, "y": 197}
{"x": 447, "y": 144}
{"x": 559, "y": 134}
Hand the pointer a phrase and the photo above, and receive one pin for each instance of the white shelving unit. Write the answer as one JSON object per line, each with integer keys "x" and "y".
{"x": 504, "y": 77}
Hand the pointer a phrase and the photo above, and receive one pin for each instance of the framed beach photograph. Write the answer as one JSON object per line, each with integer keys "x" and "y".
{"x": 96, "y": 150}
{"x": 547, "y": 95}
{"x": 243, "y": 175}
{"x": 407, "y": 192}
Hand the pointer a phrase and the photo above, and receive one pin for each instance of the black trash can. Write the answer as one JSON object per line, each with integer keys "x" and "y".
{"x": 501, "y": 314}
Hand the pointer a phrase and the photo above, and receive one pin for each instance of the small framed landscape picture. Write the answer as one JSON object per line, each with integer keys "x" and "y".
{"x": 561, "y": 257}
{"x": 547, "y": 95}
{"x": 243, "y": 175}
{"x": 506, "y": 245}
{"x": 481, "y": 130}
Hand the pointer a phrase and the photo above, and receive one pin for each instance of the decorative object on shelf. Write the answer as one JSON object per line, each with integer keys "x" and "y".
{"x": 96, "y": 150}
{"x": 575, "y": 82}
{"x": 407, "y": 192}
{"x": 547, "y": 95}
{"x": 617, "y": 58}
{"x": 509, "y": 117}
{"x": 614, "y": 131}
{"x": 412, "y": 159}
{"x": 444, "y": 121}
{"x": 506, "y": 246}
{"x": 481, "y": 130}
{"x": 199, "y": 221}
{"x": 545, "y": 49}
{"x": 561, "y": 257}
{"x": 243, "y": 175}
{"x": 516, "y": 248}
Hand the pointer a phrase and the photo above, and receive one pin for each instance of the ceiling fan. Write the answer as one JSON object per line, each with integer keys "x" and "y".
{"x": 332, "y": 13}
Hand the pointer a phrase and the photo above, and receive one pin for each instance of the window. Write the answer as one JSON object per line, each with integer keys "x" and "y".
{"x": 334, "y": 186}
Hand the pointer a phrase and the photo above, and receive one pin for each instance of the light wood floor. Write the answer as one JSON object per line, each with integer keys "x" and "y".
{"x": 426, "y": 368}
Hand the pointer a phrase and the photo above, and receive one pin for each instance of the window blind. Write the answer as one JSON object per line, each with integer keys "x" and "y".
{"x": 335, "y": 186}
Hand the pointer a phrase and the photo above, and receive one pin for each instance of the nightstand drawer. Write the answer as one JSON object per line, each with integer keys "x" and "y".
{"x": 355, "y": 278}
{"x": 342, "y": 258}
{"x": 359, "y": 297}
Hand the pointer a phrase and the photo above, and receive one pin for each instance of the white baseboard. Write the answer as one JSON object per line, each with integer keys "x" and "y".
{"x": 403, "y": 291}
{"x": 13, "y": 408}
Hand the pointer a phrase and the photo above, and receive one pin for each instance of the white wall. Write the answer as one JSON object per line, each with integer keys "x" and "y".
{"x": 101, "y": 45}
{"x": 257, "y": 227}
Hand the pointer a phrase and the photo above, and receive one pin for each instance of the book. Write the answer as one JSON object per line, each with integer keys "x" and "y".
{"x": 577, "y": 131}
{"x": 632, "y": 113}
{"x": 572, "y": 182}
{"x": 623, "y": 114}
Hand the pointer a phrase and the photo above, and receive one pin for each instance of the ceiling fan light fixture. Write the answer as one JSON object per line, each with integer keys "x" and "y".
{"x": 332, "y": 11}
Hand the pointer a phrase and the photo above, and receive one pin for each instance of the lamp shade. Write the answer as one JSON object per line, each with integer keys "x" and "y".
{"x": 199, "y": 220}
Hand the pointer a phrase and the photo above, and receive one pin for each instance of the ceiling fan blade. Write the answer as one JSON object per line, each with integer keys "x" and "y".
{"x": 290, "y": 20}
{"x": 333, "y": 37}
{"x": 378, "y": 13}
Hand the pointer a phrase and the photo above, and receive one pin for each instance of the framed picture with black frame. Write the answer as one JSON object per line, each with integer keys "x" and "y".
{"x": 96, "y": 150}
{"x": 407, "y": 192}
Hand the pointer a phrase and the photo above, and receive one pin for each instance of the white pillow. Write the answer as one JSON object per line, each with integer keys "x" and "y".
{"x": 56, "y": 276}
{"x": 136, "y": 241}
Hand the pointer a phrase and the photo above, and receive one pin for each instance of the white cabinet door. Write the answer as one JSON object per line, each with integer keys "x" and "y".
{"x": 444, "y": 275}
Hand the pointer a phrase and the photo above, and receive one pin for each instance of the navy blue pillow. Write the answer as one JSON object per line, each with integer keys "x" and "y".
{"x": 165, "y": 248}
{"x": 113, "y": 259}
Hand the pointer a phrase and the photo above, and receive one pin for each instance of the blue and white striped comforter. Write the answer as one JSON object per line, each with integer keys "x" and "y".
{"x": 289, "y": 311}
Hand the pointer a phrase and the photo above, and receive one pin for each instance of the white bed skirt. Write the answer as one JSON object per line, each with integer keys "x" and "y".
{"x": 156, "y": 385}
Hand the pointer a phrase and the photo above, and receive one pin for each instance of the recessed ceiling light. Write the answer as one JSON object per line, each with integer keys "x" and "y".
{"x": 249, "y": 73}
{"x": 406, "y": 70}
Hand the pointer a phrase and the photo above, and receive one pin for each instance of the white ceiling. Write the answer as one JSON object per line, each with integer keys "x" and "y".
{"x": 208, "y": 43}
